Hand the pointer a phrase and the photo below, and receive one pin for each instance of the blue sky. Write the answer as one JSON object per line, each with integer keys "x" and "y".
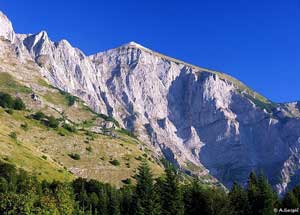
{"x": 256, "y": 41}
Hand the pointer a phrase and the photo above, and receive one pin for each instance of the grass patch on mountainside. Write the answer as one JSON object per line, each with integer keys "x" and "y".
{"x": 259, "y": 100}
{"x": 30, "y": 147}
{"x": 55, "y": 98}
{"x": 21, "y": 152}
{"x": 45, "y": 150}
{"x": 9, "y": 85}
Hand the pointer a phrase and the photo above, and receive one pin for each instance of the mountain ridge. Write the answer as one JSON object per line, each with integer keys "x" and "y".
{"x": 203, "y": 121}
{"x": 132, "y": 44}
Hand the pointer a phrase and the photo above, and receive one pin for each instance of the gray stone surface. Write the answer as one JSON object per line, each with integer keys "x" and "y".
{"x": 188, "y": 114}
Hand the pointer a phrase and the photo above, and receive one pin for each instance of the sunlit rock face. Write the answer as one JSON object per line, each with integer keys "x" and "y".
{"x": 192, "y": 116}
{"x": 6, "y": 29}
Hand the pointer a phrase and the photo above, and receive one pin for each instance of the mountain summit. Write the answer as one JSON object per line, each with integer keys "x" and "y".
{"x": 203, "y": 121}
{"x": 6, "y": 29}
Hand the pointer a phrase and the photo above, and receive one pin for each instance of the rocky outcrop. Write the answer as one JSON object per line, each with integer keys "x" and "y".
{"x": 191, "y": 115}
{"x": 6, "y": 30}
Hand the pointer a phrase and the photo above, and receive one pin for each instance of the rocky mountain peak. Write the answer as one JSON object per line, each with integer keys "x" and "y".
{"x": 64, "y": 43}
{"x": 6, "y": 29}
{"x": 188, "y": 114}
{"x": 134, "y": 44}
{"x": 37, "y": 43}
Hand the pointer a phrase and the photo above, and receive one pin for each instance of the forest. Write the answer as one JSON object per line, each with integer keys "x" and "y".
{"x": 22, "y": 193}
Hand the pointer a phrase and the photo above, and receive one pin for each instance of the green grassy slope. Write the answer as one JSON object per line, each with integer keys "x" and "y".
{"x": 46, "y": 151}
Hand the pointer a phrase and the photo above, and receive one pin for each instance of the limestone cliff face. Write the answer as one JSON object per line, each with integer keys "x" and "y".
{"x": 193, "y": 116}
{"x": 6, "y": 29}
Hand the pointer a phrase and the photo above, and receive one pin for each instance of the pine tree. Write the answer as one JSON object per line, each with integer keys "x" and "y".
{"x": 103, "y": 202}
{"x": 114, "y": 202}
{"x": 196, "y": 199}
{"x": 171, "y": 196}
{"x": 238, "y": 200}
{"x": 94, "y": 201}
{"x": 219, "y": 202}
{"x": 290, "y": 200}
{"x": 79, "y": 186}
{"x": 145, "y": 197}
{"x": 261, "y": 197}
{"x": 296, "y": 191}
{"x": 65, "y": 199}
{"x": 126, "y": 200}
{"x": 3, "y": 185}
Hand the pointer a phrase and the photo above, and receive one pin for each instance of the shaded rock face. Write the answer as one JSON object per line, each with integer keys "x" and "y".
{"x": 188, "y": 114}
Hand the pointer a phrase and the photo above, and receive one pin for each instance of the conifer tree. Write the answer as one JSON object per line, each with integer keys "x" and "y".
{"x": 219, "y": 202}
{"x": 238, "y": 200}
{"x": 103, "y": 202}
{"x": 196, "y": 199}
{"x": 260, "y": 194}
{"x": 171, "y": 196}
{"x": 94, "y": 201}
{"x": 296, "y": 191}
{"x": 64, "y": 198}
{"x": 290, "y": 200}
{"x": 126, "y": 194}
{"x": 114, "y": 202}
{"x": 145, "y": 197}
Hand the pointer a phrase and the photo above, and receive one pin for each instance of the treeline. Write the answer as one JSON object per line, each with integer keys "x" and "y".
{"x": 22, "y": 193}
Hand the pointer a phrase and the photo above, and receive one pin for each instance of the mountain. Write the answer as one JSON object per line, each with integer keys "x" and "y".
{"x": 77, "y": 143}
{"x": 204, "y": 121}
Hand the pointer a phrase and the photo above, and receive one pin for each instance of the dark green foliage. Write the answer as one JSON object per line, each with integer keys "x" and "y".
{"x": 74, "y": 156}
{"x": 69, "y": 127}
{"x": 196, "y": 199}
{"x": 171, "y": 196}
{"x": 239, "y": 200}
{"x": 38, "y": 115}
{"x": 261, "y": 196}
{"x": 6, "y": 101}
{"x": 19, "y": 104}
{"x": 61, "y": 133}
{"x": 22, "y": 193}
{"x": 24, "y": 126}
{"x": 203, "y": 200}
{"x": 128, "y": 133}
{"x": 145, "y": 199}
{"x": 70, "y": 99}
{"x": 90, "y": 135}
{"x": 52, "y": 122}
{"x": 115, "y": 162}
{"x": 96, "y": 197}
{"x": 109, "y": 119}
{"x": 9, "y": 111}
{"x": 126, "y": 200}
{"x": 49, "y": 121}
{"x": 13, "y": 135}
{"x": 89, "y": 149}
{"x": 127, "y": 181}
{"x": 296, "y": 192}
{"x": 139, "y": 158}
{"x": 290, "y": 200}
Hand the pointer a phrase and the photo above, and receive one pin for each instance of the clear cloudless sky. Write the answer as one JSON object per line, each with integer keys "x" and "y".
{"x": 256, "y": 41}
